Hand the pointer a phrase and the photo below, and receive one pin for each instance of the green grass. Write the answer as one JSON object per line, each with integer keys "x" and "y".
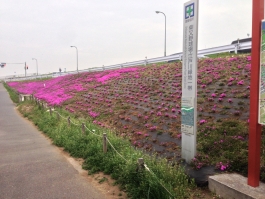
{"x": 225, "y": 54}
{"x": 138, "y": 182}
{"x": 12, "y": 93}
{"x": 227, "y": 143}
{"x": 37, "y": 79}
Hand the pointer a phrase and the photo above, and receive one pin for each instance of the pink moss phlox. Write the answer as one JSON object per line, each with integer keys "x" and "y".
{"x": 202, "y": 122}
{"x": 153, "y": 128}
{"x": 230, "y": 100}
{"x": 248, "y": 66}
{"x": 210, "y": 99}
{"x": 222, "y": 166}
{"x": 113, "y": 74}
{"x": 159, "y": 113}
{"x": 222, "y": 95}
{"x": 231, "y": 79}
{"x": 249, "y": 58}
{"x": 241, "y": 82}
{"x": 93, "y": 114}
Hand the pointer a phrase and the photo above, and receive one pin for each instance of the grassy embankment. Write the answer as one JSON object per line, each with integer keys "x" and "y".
{"x": 136, "y": 181}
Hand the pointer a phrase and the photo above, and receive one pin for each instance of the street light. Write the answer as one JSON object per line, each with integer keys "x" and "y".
{"x": 165, "y": 28}
{"x": 76, "y": 56}
{"x": 25, "y": 66}
{"x": 36, "y": 64}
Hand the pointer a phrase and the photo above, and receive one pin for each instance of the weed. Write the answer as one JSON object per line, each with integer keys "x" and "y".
{"x": 200, "y": 100}
{"x": 102, "y": 180}
{"x": 241, "y": 103}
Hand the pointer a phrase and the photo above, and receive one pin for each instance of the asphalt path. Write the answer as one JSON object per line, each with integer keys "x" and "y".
{"x": 30, "y": 166}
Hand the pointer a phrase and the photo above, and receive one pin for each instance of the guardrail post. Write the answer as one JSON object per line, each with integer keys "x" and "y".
{"x": 104, "y": 142}
{"x": 236, "y": 49}
{"x": 83, "y": 128}
{"x": 140, "y": 164}
{"x": 68, "y": 119}
{"x": 50, "y": 111}
{"x": 20, "y": 98}
{"x": 237, "y": 46}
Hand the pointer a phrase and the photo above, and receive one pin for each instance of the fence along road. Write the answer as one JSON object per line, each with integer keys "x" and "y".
{"x": 30, "y": 167}
{"x": 177, "y": 56}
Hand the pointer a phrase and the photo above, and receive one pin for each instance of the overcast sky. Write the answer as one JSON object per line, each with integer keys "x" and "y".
{"x": 108, "y": 32}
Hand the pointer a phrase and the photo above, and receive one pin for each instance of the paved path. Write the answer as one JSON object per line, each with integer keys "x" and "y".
{"x": 32, "y": 168}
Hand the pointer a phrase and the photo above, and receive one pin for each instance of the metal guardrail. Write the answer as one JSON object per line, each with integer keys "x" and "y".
{"x": 177, "y": 56}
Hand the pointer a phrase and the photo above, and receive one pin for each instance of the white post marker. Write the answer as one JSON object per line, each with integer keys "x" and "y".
{"x": 189, "y": 81}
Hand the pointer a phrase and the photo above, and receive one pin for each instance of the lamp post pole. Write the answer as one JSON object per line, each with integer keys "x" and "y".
{"x": 165, "y": 29}
{"x": 76, "y": 56}
{"x": 36, "y": 64}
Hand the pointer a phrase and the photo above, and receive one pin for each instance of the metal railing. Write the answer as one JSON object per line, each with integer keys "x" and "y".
{"x": 177, "y": 56}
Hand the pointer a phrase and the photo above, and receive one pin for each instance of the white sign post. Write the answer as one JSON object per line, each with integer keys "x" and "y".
{"x": 189, "y": 81}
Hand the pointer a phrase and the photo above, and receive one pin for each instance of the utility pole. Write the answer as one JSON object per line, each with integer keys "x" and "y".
{"x": 25, "y": 69}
